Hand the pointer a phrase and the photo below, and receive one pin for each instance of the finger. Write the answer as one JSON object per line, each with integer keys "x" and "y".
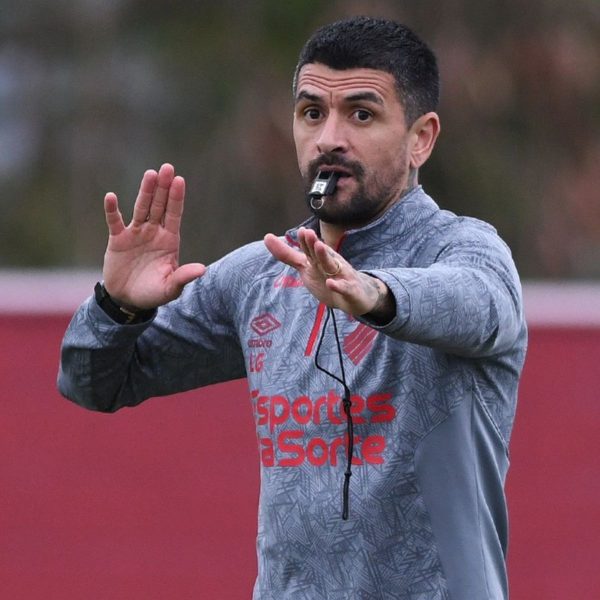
{"x": 329, "y": 261}
{"x": 174, "y": 208}
{"x": 282, "y": 252}
{"x": 114, "y": 220}
{"x": 307, "y": 239}
{"x": 141, "y": 207}
{"x": 161, "y": 193}
{"x": 184, "y": 275}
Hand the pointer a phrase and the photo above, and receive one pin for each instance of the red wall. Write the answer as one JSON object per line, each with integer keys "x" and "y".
{"x": 160, "y": 502}
{"x": 554, "y": 482}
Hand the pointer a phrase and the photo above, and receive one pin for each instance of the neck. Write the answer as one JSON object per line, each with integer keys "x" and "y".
{"x": 332, "y": 234}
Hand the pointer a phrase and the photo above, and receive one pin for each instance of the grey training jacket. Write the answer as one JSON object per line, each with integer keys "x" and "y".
{"x": 433, "y": 401}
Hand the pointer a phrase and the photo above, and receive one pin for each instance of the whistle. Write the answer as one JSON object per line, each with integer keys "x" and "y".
{"x": 323, "y": 185}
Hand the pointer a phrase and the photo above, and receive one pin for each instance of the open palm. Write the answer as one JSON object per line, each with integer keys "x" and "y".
{"x": 141, "y": 263}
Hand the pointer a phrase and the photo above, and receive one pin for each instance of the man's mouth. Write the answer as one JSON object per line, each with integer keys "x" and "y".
{"x": 341, "y": 171}
{"x": 345, "y": 169}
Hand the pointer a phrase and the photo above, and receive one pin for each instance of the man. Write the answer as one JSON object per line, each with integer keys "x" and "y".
{"x": 383, "y": 341}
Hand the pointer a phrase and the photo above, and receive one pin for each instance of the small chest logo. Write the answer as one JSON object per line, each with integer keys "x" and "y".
{"x": 264, "y": 324}
{"x": 261, "y": 325}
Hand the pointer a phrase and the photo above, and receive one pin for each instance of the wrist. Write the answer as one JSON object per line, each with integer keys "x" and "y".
{"x": 120, "y": 313}
{"x": 384, "y": 307}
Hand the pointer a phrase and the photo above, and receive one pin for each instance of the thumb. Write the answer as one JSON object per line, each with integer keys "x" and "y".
{"x": 184, "y": 275}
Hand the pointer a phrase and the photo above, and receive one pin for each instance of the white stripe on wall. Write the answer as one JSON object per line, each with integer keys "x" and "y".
{"x": 570, "y": 304}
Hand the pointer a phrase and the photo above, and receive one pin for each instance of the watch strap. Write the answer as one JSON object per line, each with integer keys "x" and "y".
{"x": 118, "y": 313}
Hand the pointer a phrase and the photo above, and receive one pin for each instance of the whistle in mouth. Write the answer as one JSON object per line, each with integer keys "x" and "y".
{"x": 324, "y": 184}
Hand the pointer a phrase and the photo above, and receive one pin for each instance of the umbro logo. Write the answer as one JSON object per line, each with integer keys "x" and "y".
{"x": 264, "y": 324}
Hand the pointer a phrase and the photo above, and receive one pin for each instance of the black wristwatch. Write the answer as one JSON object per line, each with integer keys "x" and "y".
{"x": 120, "y": 314}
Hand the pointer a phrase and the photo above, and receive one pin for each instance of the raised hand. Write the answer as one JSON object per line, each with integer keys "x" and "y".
{"x": 332, "y": 279}
{"x": 141, "y": 263}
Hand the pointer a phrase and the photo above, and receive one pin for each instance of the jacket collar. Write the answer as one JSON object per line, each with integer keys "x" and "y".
{"x": 396, "y": 223}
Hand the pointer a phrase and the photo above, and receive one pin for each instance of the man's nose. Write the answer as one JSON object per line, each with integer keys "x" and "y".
{"x": 332, "y": 137}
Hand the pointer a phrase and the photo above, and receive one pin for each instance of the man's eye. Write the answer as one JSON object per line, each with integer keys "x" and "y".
{"x": 362, "y": 115}
{"x": 312, "y": 114}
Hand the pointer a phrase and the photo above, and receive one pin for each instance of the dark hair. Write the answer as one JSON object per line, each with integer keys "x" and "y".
{"x": 366, "y": 42}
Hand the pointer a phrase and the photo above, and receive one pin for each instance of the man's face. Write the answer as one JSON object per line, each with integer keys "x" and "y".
{"x": 351, "y": 121}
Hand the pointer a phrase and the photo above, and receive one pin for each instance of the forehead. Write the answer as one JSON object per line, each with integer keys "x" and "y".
{"x": 318, "y": 78}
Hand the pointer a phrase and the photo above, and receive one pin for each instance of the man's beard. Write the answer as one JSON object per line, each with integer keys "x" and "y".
{"x": 363, "y": 206}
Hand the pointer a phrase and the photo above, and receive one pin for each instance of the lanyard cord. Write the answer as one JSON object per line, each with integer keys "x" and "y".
{"x": 346, "y": 403}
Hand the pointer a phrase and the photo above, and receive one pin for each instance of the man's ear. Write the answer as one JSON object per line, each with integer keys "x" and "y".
{"x": 423, "y": 135}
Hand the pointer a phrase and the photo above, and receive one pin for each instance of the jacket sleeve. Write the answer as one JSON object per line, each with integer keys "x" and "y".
{"x": 468, "y": 301}
{"x": 191, "y": 342}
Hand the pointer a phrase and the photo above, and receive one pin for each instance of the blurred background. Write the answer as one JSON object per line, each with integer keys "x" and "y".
{"x": 93, "y": 92}
{"x": 160, "y": 502}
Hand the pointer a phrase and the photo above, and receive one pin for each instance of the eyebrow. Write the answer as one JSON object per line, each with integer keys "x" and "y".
{"x": 306, "y": 96}
{"x": 365, "y": 97}
{"x": 358, "y": 97}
